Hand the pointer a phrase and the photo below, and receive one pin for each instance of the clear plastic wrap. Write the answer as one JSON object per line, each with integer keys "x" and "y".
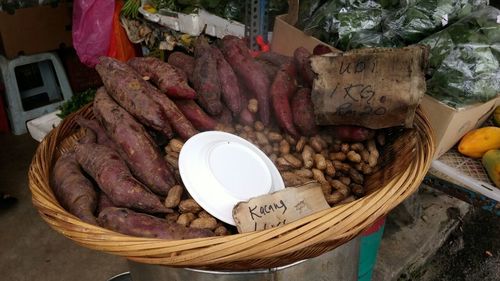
{"x": 464, "y": 65}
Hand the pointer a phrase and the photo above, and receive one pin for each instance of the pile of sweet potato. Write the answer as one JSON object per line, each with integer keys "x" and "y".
{"x": 118, "y": 177}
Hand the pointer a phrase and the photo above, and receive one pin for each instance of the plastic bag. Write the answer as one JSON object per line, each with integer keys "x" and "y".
{"x": 120, "y": 46}
{"x": 92, "y": 26}
{"x": 464, "y": 60}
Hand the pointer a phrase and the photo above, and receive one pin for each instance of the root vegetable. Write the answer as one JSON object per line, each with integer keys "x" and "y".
{"x": 225, "y": 116}
{"x": 282, "y": 88}
{"x": 73, "y": 190}
{"x": 182, "y": 61}
{"x": 274, "y": 58}
{"x": 128, "y": 88}
{"x": 132, "y": 223}
{"x": 303, "y": 112}
{"x": 189, "y": 206}
{"x": 174, "y": 196}
{"x": 206, "y": 79}
{"x": 135, "y": 145}
{"x": 204, "y": 223}
{"x": 352, "y": 133}
{"x": 99, "y": 131}
{"x": 230, "y": 88}
{"x": 301, "y": 58}
{"x": 165, "y": 76}
{"x": 199, "y": 118}
{"x": 250, "y": 73}
{"x": 113, "y": 177}
{"x": 103, "y": 202}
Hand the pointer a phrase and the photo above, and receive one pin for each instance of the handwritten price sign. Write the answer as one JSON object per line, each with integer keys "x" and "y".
{"x": 279, "y": 208}
{"x": 374, "y": 88}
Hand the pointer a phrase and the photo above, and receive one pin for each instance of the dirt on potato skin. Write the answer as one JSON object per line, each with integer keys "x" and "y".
{"x": 471, "y": 253}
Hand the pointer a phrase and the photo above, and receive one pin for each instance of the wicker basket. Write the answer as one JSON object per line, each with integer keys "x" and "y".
{"x": 302, "y": 239}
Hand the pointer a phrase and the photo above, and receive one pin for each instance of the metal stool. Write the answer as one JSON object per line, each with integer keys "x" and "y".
{"x": 53, "y": 87}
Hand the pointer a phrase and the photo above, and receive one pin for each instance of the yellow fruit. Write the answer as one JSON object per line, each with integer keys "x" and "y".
{"x": 476, "y": 142}
{"x": 491, "y": 161}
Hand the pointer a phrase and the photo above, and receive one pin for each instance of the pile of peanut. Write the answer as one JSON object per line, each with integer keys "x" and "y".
{"x": 339, "y": 167}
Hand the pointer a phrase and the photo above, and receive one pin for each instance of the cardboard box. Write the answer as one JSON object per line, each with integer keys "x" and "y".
{"x": 35, "y": 30}
{"x": 451, "y": 124}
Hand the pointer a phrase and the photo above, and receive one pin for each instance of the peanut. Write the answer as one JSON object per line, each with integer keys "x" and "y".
{"x": 366, "y": 169}
{"x": 283, "y": 165}
{"x": 273, "y": 157}
{"x": 189, "y": 206}
{"x": 204, "y": 214}
{"x": 334, "y": 198}
{"x": 330, "y": 169}
{"x": 304, "y": 173}
{"x": 326, "y": 188}
{"x": 176, "y": 145}
{"x": 340, "y": 156}
{"x": 253, "y": 105}
{"x": 174, "y": 154}
{"x": 186, "y": 218}
{"x": 348, "y": 200}
{"x": 238, "y": 127}
{"x": 374, "y": 154}
{"x": 247, "y": 129}
{"x": 365, "y": 155}
{"x": 172, "y": 217}
{"x": 355, "y": 176}
{"x": 276, "y": 148}
{"x": 291, "y": 140}
{"x": 358, "y": 190}
{"x": 296, "y": 163}
{"x": 381, "y": 139}
{"x": 316, "y": 144}
{"x": 174, "y": 196}
{"x": 339, "y": 166}
{"x": 300, "y": 144}
{"x": 336, "y": 147}
{"x": 268, "y": 149}
{"x": 345, "y": 147}
{"x": 274, "y": 137}
{"x": 357, "y": 146}
{"x": 206, "y": 223}
{"x": 307, "y": 157}
{"x": 319, "y": 176}
{"x": 345, "y": 180}
{"x": 259, "y": 126}
{"x": 284, "y": 147}
{"x": 319, "y": 161}
{"x": 291, "y": 179}
{"x": 174, "y": 162}
{"x": 221, "y": 231}
{"x": 353, "y": 156}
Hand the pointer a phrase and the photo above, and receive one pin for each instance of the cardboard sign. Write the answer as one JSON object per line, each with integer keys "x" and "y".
{"x": 279, "y": 208}
{"x": 374, "y": 88}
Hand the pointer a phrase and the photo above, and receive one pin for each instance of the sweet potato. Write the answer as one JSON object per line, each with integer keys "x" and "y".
{"x": 274, "y": 58}
{"x": 269, "y": 68}
{"x": 321, "y": 49}
{"x": 180, "y": 123}
{"x": 113, "y": 177}
{"x": 230, "y": 89}
{"x": 128, "y": 222}
{"x": 97, "y": 129}
{"x": 128, "y": 88}
{"x": 73, "y": 190}
{"x": 225, "y": 116}
{"x": 206, "y": 79}
{"x": 200, "y": 120}
{"x": 182, "y": 61}
{"x": 103, "y": 202}
{"x": 135, "y": 145}
{"x": 351, "y": 133}
{"x": 283, "y": 87}
{"x": 249, "y": 72}
{"x": 303, "y": 112}
{"x": 301, "y": 58}
{"x": 165, "y": 76}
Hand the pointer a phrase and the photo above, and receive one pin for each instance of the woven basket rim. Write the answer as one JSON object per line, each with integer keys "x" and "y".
{"x": 305, "y": 238}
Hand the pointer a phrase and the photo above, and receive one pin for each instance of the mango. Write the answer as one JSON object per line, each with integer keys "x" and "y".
{"x": 477, "y": 142}
{"x": 496, "y": 116}
{"x": 491, "y": 162}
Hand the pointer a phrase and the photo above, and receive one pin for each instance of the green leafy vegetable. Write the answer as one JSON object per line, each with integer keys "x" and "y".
{"x": 76, "y": 102}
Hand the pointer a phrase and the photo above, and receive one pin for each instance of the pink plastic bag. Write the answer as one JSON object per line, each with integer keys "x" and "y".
{"x": 92, "y": 27}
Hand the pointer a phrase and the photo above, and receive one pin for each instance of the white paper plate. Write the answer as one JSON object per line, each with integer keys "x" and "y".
{"x": 221, "y": 169}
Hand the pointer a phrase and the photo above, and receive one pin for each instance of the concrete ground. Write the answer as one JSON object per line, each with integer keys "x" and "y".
{"x": 31, "y": 250}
